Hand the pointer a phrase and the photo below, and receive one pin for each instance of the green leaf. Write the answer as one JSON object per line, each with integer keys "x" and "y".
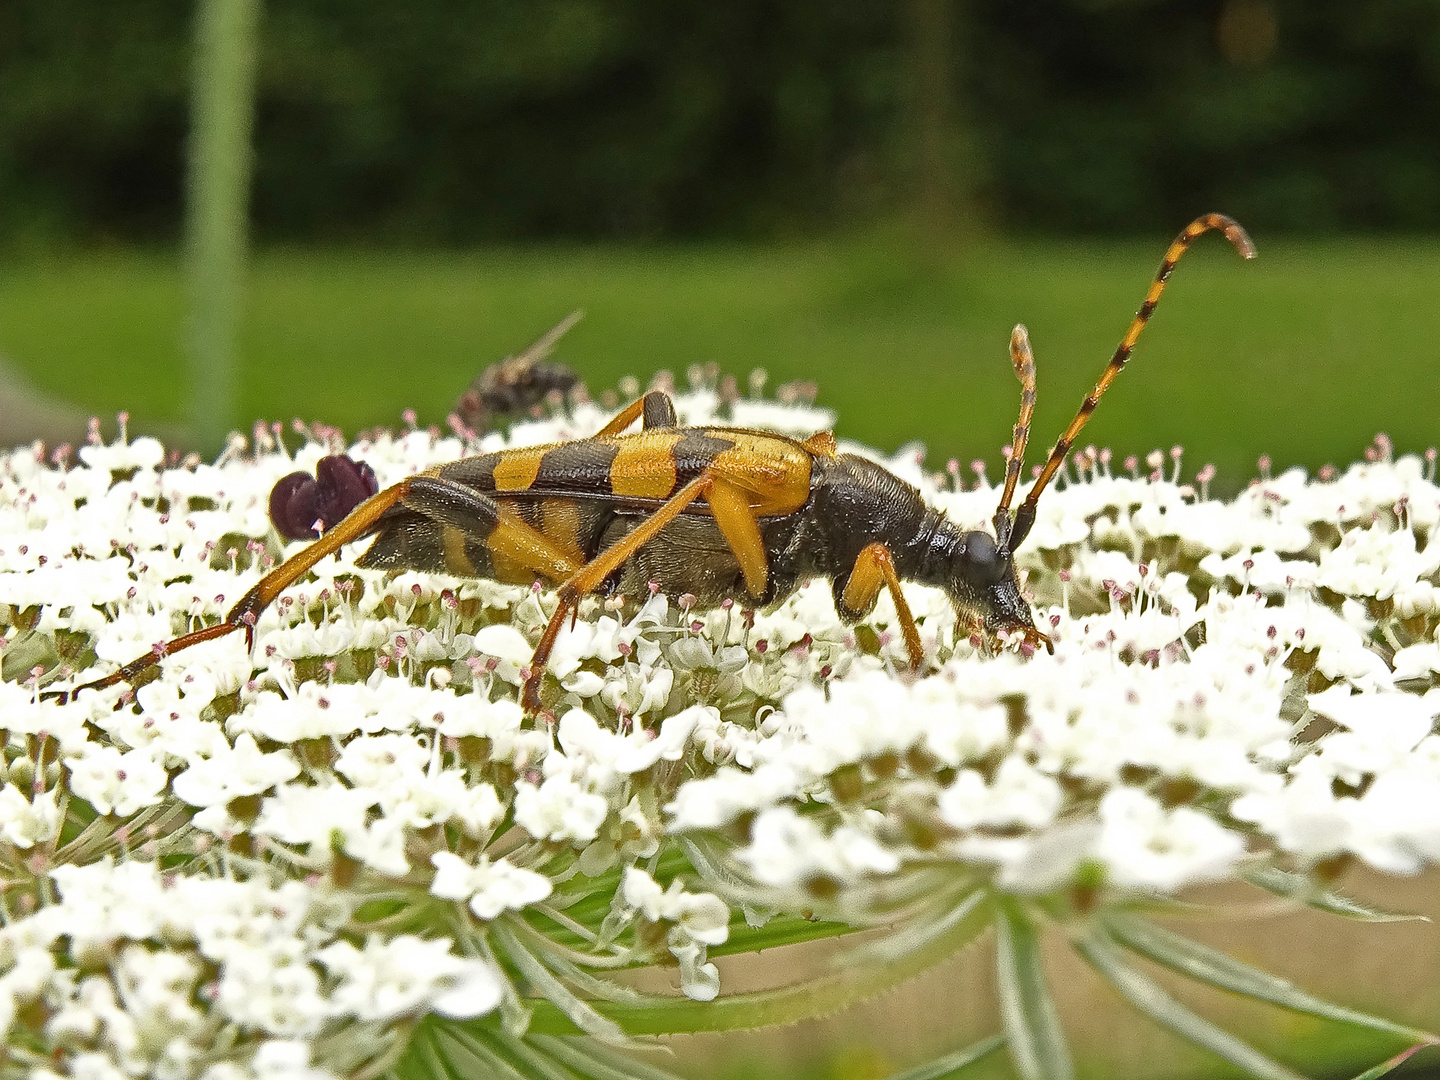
{"x": 431, "y": 1062}
{"x": 952, "y": 1063}
{"x": 578, "y": 1012}
{"x": 464, "y": 1056}
{"x": 919, "y": 931}
{"x": 782, "y": 930}
{"x": 584, "y": 982}
{"x": 1200, "y": 962}
{"x": 1393, "y": 1063}
{"x": 532, "y": 1062}
{"x": 1032, "y": 1027}
{"x": 443, "y": 1050}
{"x": 1155, "y": 1003}
{"x": 597, "y": 1061}
{"x": 1301, "y": 888}
{"x": 736, "y": 1012}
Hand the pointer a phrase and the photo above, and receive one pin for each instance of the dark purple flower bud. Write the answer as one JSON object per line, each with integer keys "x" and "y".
{"x": 299, "y": 501}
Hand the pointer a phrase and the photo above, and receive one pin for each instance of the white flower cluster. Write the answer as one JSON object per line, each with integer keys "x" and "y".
{"x": 127, "y": 972}
{"x": 1232, "y": 684}
{"x": 275, "y": 861}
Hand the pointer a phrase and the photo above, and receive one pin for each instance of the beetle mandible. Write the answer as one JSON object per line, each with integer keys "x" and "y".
{"x": 715, "y": 512}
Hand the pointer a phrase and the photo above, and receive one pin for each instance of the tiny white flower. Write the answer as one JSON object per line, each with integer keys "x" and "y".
{"x": 1382, "y": 728}
{"x": 786, "y": 849}
{"x": 489, "y": 887}
{"x": 1395, "y": 824}
{"x": 475, "y": 989}
{"x": 559, "y": 809}
{"x": 116, "y": 783}
{"x": 285, "y": 1059}
{"x": 27, "y": 822}
{"x": 703, "y": 917}
{"x": 699, "y": 981}
{"x": 142, "y": 453}
{"x": 406, "y": 976}
{"x": 382, "y": 847}
{"x": 507, "y": 645}
{"x": 239, "y": 770}
{"x": 271, "y": 988}
{"x": 1145, "y": 846}
{"x": 372, "y": 760}
{"x": 1018, "y": 795}
{"x": 321, "y": 815}
{"x": 1418, "y": 661}
{"x": 633, "y": 834}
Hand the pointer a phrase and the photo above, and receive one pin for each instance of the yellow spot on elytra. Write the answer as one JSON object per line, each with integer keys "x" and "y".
{"x": 516, "y": 470}
{"x": 644, "y": 466}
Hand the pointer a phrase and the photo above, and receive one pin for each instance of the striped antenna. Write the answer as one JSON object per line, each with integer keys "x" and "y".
{"x": 1024, "y": 362}
{"x": 1025, "y": 516}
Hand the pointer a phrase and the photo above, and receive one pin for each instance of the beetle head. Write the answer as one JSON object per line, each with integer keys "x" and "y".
{"x": 985, "y": 589}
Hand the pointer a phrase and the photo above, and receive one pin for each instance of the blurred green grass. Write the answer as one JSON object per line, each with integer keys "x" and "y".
{"x": 1304, "y": 353}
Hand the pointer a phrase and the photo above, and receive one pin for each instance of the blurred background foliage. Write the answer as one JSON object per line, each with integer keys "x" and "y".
{"x": 832, "y": 190}
{"x": 451, "y": 121}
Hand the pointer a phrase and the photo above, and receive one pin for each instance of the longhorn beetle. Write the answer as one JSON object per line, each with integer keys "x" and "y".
{"x": 715, "y": 512}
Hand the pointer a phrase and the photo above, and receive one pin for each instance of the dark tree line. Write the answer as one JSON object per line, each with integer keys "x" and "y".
{"x": 459, "y": 120}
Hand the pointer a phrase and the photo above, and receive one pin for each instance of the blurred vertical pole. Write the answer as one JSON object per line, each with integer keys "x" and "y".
{"x": 217, "y": 201}
{"x": 945, "y": 167}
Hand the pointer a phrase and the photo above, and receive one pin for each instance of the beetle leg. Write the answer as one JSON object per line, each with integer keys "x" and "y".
{"x": 736, "y": 521}
{"x": 873, "y": 568}
{"x": 653, "y": 410}
{"x": 242, "y": 616}
{"x": 445, "y": 502}
{"x": 589, "y": 577}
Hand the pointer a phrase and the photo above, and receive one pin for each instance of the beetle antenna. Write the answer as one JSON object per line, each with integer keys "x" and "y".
{"x": 1025, "y": 516}
{"x": 1023, "y": 361}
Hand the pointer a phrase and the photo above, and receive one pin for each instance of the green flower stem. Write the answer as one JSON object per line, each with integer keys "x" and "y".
{"x": 1302, "y": 889}
{"x": 952, "y": 1063}
{"x": 822, "y": 996}
{"x": 1037, "y": 1041}
{"x": 586, "y": 1057}
{"x": 781, "y": 930}
{"x": 1204, "y": 964}
{"x": 579, "y": 1013}
{"x": 1395, "y": 1062}
{"x": 1149, "y": 998}
{"x": 217, "y": 203}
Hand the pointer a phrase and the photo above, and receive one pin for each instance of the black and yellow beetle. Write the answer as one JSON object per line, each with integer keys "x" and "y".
{"x": 715, "y": 512}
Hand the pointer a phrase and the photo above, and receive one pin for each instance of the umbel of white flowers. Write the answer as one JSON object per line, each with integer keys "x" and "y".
{"x": 349, "y": 852}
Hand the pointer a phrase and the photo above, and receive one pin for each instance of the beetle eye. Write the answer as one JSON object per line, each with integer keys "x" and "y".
{"x": 981, "y": 557}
